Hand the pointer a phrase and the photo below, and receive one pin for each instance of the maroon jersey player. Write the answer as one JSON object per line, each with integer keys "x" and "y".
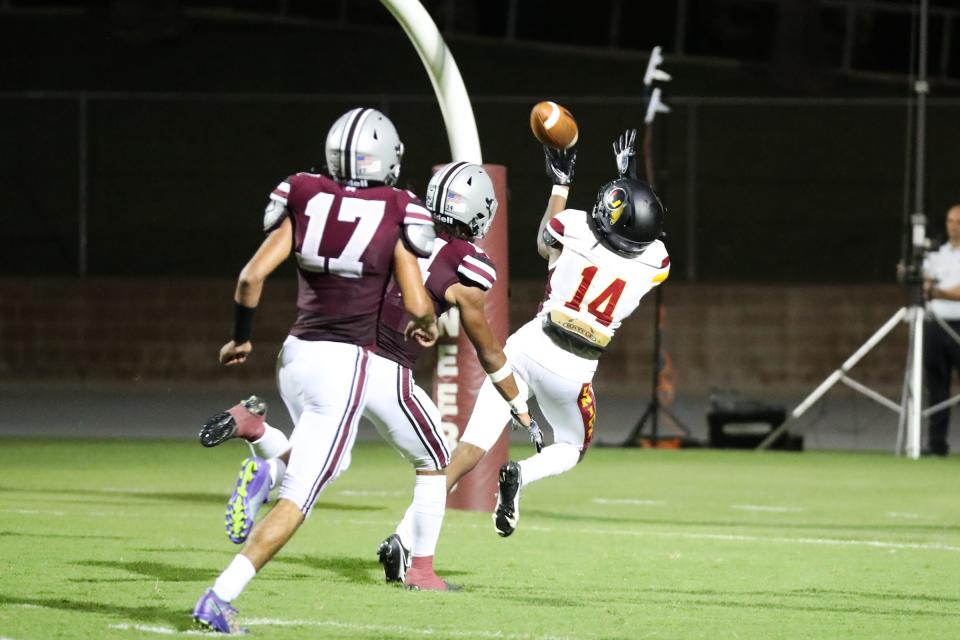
{"x": 349, "y": 234}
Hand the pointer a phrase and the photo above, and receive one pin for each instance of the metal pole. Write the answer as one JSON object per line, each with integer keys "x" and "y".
{"x": 922, "y": 88}
{"x": 915, "y": 415}
{"x": 512, "y": 20}
{"x": 680, "y": 31}
{"x": 850, "y": 35}
{"x": 692, "y": 191}
{"x": 945, "y": 45}
{"x": 82, "y": 155}
{"x": 613, "y": 34}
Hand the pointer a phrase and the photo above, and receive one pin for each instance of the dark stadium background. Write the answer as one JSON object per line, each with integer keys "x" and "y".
{"x": 164, "y": 125}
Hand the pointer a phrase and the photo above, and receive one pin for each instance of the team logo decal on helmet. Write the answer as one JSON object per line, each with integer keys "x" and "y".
{"x": 627, "y": 216}
{"x": 614, "y": 201}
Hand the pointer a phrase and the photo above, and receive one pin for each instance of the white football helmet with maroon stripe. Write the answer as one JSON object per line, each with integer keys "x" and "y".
{"x": 363, "y": 146}
{"x": 462, "y": 192}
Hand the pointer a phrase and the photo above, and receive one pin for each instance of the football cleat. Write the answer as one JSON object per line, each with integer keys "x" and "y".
{"x": 422, "y": 580}
{"x": 216, "y": 615}
{"x": 244, "y": 420}
{"x": 508, "y": 499}
{"x": 252, "y": 490}
{"x": 394, "y": 557}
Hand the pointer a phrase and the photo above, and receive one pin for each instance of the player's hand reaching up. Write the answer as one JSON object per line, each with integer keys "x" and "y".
{"x": 233, "y": 353}
{"x": 560, "y": 164}
{"x": 624, "y": 151}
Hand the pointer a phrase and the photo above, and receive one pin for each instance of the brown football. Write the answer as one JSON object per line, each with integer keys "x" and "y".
{"x": 553, "y": 125}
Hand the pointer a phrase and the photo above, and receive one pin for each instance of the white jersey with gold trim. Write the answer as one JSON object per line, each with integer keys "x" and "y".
{"x": 591, "y": 289}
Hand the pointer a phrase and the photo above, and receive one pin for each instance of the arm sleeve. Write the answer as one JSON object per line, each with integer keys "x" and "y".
{"x": 553, "y": 233}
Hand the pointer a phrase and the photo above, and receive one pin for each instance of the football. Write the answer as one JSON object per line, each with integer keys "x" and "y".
{"x": 553, "y": 125}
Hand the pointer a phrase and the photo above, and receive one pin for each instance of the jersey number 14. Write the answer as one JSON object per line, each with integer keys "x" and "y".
{"x": 608, "y": 298}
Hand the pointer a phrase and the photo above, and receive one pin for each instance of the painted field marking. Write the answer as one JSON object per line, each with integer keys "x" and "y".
{"x": 336, "y": 624}
{"x": 33, "y": 512}
{"x": 361, "y": 494}
{"x": 880, "y": 544}
{"x": 908, "y": 516}
{"x": 762, "y": 508}
{"x": 630, "y": 501}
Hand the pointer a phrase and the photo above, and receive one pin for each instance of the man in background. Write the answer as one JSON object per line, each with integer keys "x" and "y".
{"x": 941, "y": 353}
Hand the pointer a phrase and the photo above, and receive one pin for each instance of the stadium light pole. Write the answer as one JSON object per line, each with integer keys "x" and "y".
{"x": 458, "y": 375}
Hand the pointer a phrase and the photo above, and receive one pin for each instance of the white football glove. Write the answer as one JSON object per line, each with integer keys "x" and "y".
{"x": 536, "y": 436}
{"x": 624, "y": 152}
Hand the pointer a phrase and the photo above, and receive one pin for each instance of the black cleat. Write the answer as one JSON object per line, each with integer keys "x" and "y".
{"x": 508, "y": 499}
{"x": 244, "y": 420}
{"x": 395, "y": 558}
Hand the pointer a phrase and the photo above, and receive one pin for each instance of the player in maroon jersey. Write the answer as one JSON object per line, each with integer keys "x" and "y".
{"x": 457, "y": 273}
{"x": 349, "y": 233}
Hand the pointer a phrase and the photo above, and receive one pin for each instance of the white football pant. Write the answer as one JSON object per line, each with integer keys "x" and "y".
{"x": 324, "y": 386}
{"x": 560, "y": 382}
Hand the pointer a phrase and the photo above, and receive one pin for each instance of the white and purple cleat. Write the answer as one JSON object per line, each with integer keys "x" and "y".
{"x": 216, "y": 615}
{"x": 251, "y": 492}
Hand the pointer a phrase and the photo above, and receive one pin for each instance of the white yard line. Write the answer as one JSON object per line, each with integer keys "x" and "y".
{"x": 336, "y": 624}
{"x": 32, "y": 512}
{"x": 630, "y": 501}
{"x": 762, "y": 508}
{"x": 908, "y": 516}
{"x": 378, "y": 494}
{"x": 880, "y": 544}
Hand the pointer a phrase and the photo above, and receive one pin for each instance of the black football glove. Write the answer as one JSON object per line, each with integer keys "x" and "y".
{"x": 536, "y": 436}
{"x": 625, "y": 153}
{"x": 560, "y": 164}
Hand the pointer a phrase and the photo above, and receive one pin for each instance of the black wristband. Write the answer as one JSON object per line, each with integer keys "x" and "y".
{"x": 242, "y": 323}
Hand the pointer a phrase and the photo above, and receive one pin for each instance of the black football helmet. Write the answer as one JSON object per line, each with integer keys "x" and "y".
{"x": 627, "y": 216}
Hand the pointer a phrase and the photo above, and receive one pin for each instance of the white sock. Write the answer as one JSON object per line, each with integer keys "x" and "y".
{"x": 272, "y": 444}
{"x": 552, "y": 461}
{"x": 234, "y": 578}
{"x": 277, "y": 468}
{"x": 405, "y": 528}
{"x": 429, "y": 505}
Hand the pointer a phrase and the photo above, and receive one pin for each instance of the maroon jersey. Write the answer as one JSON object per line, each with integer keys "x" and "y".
{"x": 344, "y": 238}
{"x": 453, "y": 261}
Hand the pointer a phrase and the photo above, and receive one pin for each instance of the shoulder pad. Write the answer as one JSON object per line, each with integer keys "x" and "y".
{"x": 477, "y": 269}
{"x": 419, "y": 239}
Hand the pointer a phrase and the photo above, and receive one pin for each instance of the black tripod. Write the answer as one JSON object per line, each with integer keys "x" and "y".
{"x": 651, "y": 414}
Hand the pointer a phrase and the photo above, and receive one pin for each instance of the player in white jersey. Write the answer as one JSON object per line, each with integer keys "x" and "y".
{"x": 599, "y": 264}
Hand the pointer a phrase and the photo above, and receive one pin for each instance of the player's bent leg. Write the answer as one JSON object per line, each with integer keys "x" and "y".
{"x": 465, "y": 457}
{"x": 215, "y": 614}
{"x": 250, "y": 493}
{"x": 244, "y": 420}
{"x": 507, "y": 513}
{"x": 558, "y": 458}
{"x": 271, "y": 533}
{"x": 214, "y": 611}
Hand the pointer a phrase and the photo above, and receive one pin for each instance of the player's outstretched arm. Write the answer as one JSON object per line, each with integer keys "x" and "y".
{"x": 274, "y": 250}
{"x": 471, "y": 301}
{"x": 416, "y": 301}
{"x": 560, "y": 166}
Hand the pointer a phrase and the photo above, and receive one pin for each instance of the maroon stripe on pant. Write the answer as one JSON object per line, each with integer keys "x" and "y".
{"x": 422, "y": 422}
{"x": 348, "y": 423}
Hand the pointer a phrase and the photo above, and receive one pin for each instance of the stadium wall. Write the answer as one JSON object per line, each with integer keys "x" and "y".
{"x": 756, "y": 338}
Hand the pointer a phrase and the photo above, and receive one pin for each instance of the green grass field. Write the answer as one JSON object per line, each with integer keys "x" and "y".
{"x": 118, "y": 539}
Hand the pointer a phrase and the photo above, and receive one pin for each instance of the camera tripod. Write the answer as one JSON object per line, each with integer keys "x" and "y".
{"x": 910, "y": 409}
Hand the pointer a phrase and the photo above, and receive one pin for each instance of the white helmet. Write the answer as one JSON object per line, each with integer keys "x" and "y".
{"x": 363, "y": 145}
{"x": 463, "y": 192}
